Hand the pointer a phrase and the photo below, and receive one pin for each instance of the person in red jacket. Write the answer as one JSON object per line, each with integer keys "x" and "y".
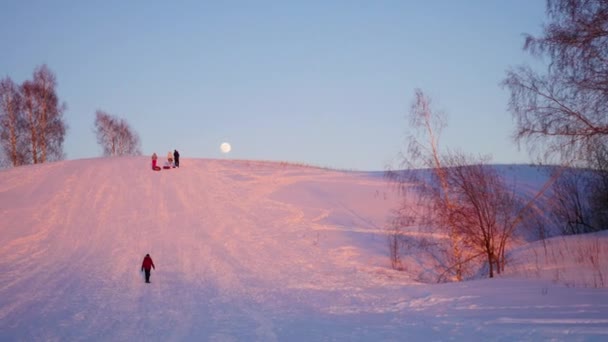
{"x": 147, "y": 265}
{"x": 154, "y": 166}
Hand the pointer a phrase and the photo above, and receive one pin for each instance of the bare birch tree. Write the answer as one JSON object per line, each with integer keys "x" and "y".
{"x": 486, "y": 210}
{"x": 30, "y": 108}
{"x": 563, "y": 111}
{"x": 423, "y": 152}
{"x": 115, "y": 135}
{"x": 459, "y": 196}
{"x": 570, "y": 207}
{"x": 43, "y": 117}
{"x": 11, "y": 122}
{"x": 51, "y": 126}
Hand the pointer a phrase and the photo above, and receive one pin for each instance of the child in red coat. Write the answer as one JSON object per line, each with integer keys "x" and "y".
{"x": 154, "y": 166}
{"x": 147, "y": 265}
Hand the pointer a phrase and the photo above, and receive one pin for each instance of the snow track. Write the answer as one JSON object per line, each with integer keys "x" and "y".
{"x": 244, "y": 251}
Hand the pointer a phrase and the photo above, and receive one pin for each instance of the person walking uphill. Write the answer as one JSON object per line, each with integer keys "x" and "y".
{"x": 146, "y": 266}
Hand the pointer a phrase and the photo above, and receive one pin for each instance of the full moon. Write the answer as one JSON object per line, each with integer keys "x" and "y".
{"x": 225, "y": 147}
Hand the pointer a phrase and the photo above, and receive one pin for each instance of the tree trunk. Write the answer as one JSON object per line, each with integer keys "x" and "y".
{"x": 490, "y": 259}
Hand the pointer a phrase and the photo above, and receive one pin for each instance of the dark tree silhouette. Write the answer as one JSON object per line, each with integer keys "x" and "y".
{"x": 570, "y": 205}
{"x": 563, "y": 111}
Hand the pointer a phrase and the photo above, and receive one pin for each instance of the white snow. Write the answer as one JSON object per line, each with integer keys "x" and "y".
{"x": 256, "y": 251}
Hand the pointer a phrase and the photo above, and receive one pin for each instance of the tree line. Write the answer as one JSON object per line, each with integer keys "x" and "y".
{"x": 33, "y": 128}
{"x": 561, "y": 115}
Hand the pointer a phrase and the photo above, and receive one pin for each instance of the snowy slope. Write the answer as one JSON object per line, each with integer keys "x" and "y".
{"x": 245, "y": 251}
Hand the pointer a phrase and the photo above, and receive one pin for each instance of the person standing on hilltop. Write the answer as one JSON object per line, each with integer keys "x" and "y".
{"x": 146, "y": 266}
{"x": 176, "y": 158}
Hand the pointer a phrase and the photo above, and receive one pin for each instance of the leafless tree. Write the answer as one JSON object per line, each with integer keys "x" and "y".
{"x": 570, "y": 208}
{"x": 598, "y": 188}
{"x": 423, "y": 152}
{"x": 458, "y": 195}
{"x": 486, "y": 213}
{"x": 31, "y": 119}
{"x": 52, "y": 127}
{"x": 563, "y": 112}
{"x": 11, "y": 122}
{"x": 43, "y": 117}
{"x": 115, "y": 135}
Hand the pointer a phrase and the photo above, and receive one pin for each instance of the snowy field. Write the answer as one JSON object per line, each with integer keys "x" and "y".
{"x": 255, "y": 251}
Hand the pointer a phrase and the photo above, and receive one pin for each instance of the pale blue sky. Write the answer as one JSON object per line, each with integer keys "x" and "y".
{"x": 326, "y": 83}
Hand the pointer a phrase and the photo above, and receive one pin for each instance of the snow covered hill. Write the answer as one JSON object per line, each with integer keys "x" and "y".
{"x": 244, "y": 251}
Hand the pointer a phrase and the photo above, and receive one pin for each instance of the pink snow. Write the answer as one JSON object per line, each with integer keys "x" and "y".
{"x": 257, "y": 251}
